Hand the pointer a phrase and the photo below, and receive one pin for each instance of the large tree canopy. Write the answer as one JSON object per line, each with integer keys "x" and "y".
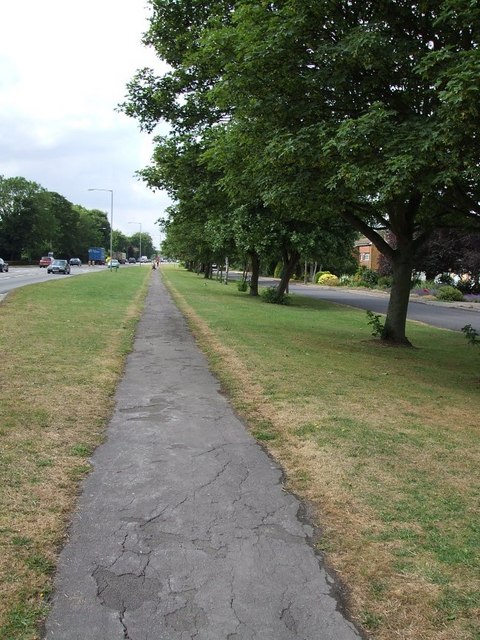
{"x": 361, "y": 110}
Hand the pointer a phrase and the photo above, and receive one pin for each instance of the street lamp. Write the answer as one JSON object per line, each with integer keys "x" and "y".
{"x": 111, "y": 219}
{"x": 140, "y": 224}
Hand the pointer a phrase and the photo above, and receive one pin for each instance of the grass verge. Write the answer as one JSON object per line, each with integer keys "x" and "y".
{"x": 383, "y": 442}
{"x": 62, "y": 349}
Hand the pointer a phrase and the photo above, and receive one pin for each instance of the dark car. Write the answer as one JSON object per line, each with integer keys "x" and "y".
{"x": 3, "y": 265}
{"x": 45, "y": 261}
{"x": 59, "y": 266}
{"x": 75, "y": 262}
{"x": 132, "y": 261}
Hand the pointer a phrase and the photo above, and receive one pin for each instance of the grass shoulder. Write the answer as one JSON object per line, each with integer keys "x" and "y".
{"x": 383, "y": 443}
{"x": 63, "y": 348}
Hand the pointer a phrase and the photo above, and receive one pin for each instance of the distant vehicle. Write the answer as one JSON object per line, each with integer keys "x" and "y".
{"x": 59, "y": 266}
{"x": 144, "y": 259}
{"x": 96, "y": 255}
{"x": 75, "y": 262}
{"x": 113, "y": 264}
{"x": 120, "y": 256}
{"x": 3, "y": 266}
{"x": 45, "y": 261}
{"x": 132, "y": 261}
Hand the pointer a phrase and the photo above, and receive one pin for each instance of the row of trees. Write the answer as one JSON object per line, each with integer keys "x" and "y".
{"x": 295, "y": 122}
{"x": 34, "y": 221}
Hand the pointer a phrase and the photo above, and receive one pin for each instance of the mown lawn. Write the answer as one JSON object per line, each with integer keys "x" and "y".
{"x": 382, "y": 442}
{"x": 62, "y": 349}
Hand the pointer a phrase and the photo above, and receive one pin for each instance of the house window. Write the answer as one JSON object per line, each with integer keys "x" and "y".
{"x": 364, "y": 257}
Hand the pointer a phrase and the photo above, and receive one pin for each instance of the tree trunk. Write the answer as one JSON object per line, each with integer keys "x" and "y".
{"x": 255, "y": 273}
{"x": 395, "y": 323}
{"x": 402, "y": 225}
{"x": 290, "y": 262}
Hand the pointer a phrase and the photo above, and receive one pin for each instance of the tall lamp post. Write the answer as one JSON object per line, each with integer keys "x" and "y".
{"x": 111, "y": 219}
{"x": 140, "y": 225}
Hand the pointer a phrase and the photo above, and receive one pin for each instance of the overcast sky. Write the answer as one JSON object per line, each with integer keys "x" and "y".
{"x": 64, "y": 67}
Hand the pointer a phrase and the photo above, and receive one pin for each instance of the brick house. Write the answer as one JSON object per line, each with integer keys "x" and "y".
{"x": 367, "y": 253}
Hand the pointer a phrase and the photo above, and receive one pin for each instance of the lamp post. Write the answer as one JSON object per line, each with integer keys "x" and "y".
{"x": 140, "y": 225}
{"x": 111, "y": 219}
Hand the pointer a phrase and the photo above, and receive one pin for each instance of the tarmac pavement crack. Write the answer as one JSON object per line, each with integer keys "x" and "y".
{"x": 125, "y": 592}
{"x": 153, "y": 518}
{"x": 188, "y": 617}
{"x": 217, "y": 476}
{"x": 124, "y": 625}
{"x": 288, "y": 620}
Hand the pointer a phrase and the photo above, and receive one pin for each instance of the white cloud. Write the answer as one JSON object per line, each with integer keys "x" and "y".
{"x": 63, "y": 70}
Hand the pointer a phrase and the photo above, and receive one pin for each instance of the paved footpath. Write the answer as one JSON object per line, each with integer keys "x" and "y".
{"x": 183, "y": 530}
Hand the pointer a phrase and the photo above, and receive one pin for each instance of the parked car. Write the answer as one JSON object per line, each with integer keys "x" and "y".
{"x": 113, "y": 264}
{"x": 45, "y": 261}
{"x": 132, "y": 261}
{"x": 3, "y": 265}
{"x": 59, "y": 266}
{"x": 75, "y": 262}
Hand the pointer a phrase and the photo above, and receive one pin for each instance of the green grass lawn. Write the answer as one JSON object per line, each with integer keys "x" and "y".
{"x": 383, "y": 443}
{"x": 62, "y": 349}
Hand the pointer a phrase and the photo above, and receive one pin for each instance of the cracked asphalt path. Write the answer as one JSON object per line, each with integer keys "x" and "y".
{"x": 183, "y": 530}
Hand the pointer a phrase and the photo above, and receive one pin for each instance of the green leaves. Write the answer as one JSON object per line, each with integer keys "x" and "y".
{"x": 310, "y": 110}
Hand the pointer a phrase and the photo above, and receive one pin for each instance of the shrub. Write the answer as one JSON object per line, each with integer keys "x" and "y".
{"x": 471, "y": 334}
{"x": 376, "y": 324}
{"x": 466, "y": 285}
{"x": 319, "y": 274}
{"x": 272, "y": 296}
{"x": 345, "y": 280}
{"x": 449, "y": 294}
{"x": 446, "y": 278}
{"x": 365, "y": 277}
{"x": 385, "y": 282}
{"x": 242, "y": 285}
{"x": 329, "y": 279}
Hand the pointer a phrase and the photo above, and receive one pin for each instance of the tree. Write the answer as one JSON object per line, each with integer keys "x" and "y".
{"x": 64, "y": 242}
{"x": 19, "y": 213}
{"x": 451, "y": 250}
{"x": 120, "y": 241}
{"x": 93, "y": 230}
{"x": 177, "y": 167}
{"x": 363, "y": 110}
{"x": 355, "y": 102}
